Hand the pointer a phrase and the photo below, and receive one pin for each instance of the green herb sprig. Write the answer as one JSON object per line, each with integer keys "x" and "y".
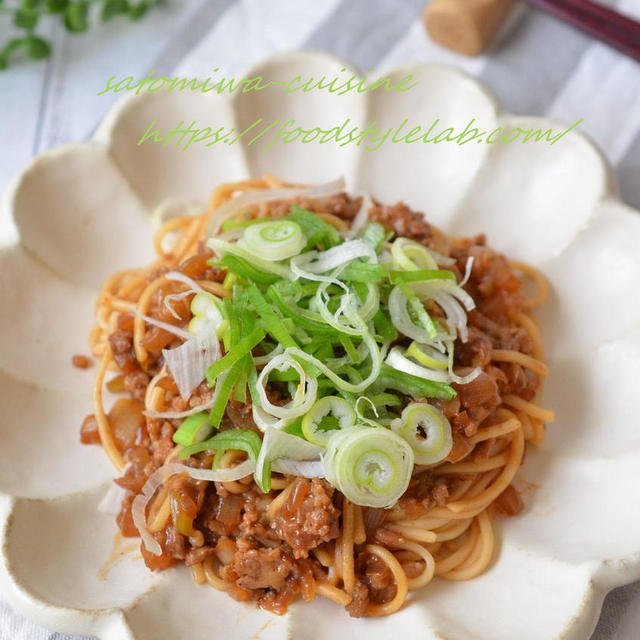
{"x": 74, "y": 14}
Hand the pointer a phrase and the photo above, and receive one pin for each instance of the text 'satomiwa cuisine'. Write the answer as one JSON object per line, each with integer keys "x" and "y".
{"x": 320, "y": 395}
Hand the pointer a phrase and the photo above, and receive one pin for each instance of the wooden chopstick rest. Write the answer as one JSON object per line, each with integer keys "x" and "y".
{"x": 466, "y": 26}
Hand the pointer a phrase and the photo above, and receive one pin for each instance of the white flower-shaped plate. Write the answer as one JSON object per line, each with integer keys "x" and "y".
{"x": 83, "y": 211}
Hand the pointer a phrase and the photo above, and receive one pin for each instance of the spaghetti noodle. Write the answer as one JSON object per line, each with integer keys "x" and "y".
{"x": 303, "y": 537}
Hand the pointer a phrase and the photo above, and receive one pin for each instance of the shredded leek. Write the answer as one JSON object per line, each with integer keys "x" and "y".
{"x": 371, "y": 466}
{"x": 274, "y": 240}
{"x": 427, "y": 431}
{"x": 328, "y": 333}
{"x": 314, "y": 423}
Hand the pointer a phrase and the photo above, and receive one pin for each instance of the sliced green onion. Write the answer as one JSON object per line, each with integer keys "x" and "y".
{"x": 363, "y": 272}
{"x": 230, "y": 225}
{"x": 229, "y": 280}
{"x": 241, "y": 349}
{"x": 350, "y": 349}
{"x": 385, "y": 400}
{"x": 384, "y": 327}
{"x": 276, "y": 445}
{"x": 195, "y": 428}
{"x": 419, "y": 275}
{"x": 398, "y": 361}
{"x": 413, "y": 386}
{"x": 317, "y": 231}
{"x": 312, "y": 422}
{"x": 306, "y": 391}
{"x": 418, "y": 309}
{"x": 274, "y": 240}
{"x": 240, "y": 267}
{"x": 427, "y": 356}
{"x": 272, "y": 322}
{"x": 240, "y": 439}
{"x": 224, "y": 386}
{"x": 402, "y": 321}
{"x": 303, "y": 317}
{"x": 409, "y": 255}
{"x": 374, "y": 234}
{"x": 427, "y": 431}
{"x": 207, "y": 312}
{"x": 376, "y": 364}
{"x": 224, "y": 248}
{"x": 370, "y": 466}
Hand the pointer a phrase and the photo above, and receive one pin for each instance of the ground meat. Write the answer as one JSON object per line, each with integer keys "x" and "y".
{"x": 478, "y": 399}
{"x": 403, "y": 221}
{"x": 136, "y": 383}
{"x": 138, "y": 467}
{"x": 124, "y": 519}
{"x": 509, "y": 501}
{"x": 261, "y": 568}
{"x": 240, "y": 415}
{"x": 80, "y": 361}
{"x": 358, "y": 606}
{"x": 338, "y": 204}
{"x": 89, "y": 433}
{"x": 476, "y": 351}
{"x": 121, "y": 342}
{"x": 197, "y": 554}
{"x": 308, "y": 518}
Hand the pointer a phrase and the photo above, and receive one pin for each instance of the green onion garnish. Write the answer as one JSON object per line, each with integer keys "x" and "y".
{"x": 328, "y": 334}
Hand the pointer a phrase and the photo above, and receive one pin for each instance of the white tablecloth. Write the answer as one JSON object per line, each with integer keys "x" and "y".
{"x": 538, "y": 66}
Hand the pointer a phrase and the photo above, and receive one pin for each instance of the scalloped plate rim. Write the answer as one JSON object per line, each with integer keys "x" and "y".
{"x": 604, "y": 575}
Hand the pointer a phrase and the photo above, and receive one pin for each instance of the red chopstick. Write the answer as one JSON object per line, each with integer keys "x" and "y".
{"x": 616, "y": 30}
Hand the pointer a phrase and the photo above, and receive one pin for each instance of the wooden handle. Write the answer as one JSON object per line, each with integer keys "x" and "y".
{"x": 466, "y": 26}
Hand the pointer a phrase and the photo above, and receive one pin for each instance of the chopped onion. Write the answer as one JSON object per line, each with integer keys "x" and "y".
{"x": 160, "y": 476}
{"x": 233, "y": 205}
{"x": 189, "y": 362}
{"x": 112, "y": 501}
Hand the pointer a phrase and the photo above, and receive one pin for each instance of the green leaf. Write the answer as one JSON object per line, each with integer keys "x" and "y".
{"x": 37, "y": 48}
{"x": 31, "y": 4}
{"x": 25, "y": 18}
{"x": 9, "y": 48}
{"x": 76, "y": 16}
{"x": 56, "y": 6}
{"x": 136, "y": 11}
{"x": 112, "y": 8}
